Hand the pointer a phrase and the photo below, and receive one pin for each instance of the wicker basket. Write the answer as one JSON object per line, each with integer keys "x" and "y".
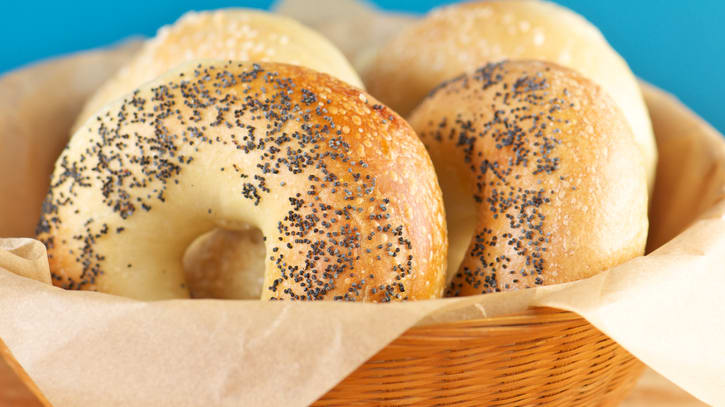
{"x": 544, "y": 357}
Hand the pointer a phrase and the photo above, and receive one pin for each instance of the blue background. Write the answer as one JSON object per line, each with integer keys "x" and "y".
{"x": 677, "y": 45}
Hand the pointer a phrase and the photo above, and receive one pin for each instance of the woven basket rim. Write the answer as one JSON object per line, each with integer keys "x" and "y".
{"x": 531, "y": 316}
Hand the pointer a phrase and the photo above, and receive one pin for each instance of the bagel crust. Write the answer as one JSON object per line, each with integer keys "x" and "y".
{"x": 462, "y": 37}
{"x": 236, "y": 34}
{"x": 224, "y": 263}
{"x": 340, "y": 186}
{"x": 556, "y": 186}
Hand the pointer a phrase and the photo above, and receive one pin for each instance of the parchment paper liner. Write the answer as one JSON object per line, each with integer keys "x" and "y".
{"x": 87, "y": 349}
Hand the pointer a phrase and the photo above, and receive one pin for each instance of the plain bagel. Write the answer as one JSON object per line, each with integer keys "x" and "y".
{"x": 341, "y": 187}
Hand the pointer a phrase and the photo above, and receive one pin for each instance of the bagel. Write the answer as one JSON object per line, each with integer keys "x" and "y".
{"x": 226, "y": 34}
{"x": 541, "y": 178}
{"x": 466, "y": 36}
{"x": 340, "y": 186}
{"x": 224, "y": 263}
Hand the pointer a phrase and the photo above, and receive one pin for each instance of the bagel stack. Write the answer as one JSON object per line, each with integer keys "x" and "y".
{"x": 288, "y": 182}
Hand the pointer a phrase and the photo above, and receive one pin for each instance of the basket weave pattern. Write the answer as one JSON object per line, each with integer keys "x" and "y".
{"x": 544, "y": 357}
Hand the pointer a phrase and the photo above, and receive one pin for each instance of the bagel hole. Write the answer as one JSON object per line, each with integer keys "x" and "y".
{"x": 226, "y": 264}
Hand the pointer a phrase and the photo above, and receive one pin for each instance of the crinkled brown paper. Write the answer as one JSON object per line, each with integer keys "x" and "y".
{"x": 89, "y": 349}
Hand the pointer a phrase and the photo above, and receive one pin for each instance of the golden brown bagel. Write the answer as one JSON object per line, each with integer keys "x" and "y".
{"x": 340, "y": 186}
{"x": 539, "y": 165}
{"x": 236, "y": 34}
{"x": 224, "y": 264}
{"x": 463, "y": 37}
